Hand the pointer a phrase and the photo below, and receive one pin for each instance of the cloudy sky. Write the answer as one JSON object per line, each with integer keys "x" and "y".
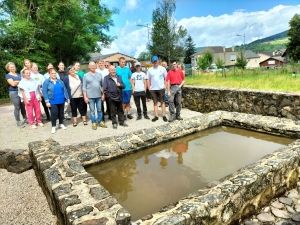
{"x": 209, "y": 22}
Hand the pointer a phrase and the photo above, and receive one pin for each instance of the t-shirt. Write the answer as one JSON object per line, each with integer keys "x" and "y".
{"x": 139, "y": 78}
{"x": 125, "y": 74}
{"x": 39, "y": 79}
{"x": 92, "y": 84}
{"x": 103, "y": 72}
{"x": 80, "y": 73}
{"x": 58, "y": 93}
{"x": 156, "y": 77}
{"x": 46, "y": 76}
{"x": 175, "y": 76}
{"x": 29, "y": 86}
{"x": 14, "y": 78}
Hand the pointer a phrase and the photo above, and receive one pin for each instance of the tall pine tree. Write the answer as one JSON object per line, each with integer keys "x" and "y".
{"x": 190, "y": 49}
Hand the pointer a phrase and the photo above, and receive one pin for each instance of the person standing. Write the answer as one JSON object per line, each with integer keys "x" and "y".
{"x": 112, "y": 88}
{"x": 104, "y": 72}
{"x": 139, "y": 87}
{"x": 77, "y": 69}
{"x": 175, "y": 80}
{"x": 62, "y": 74}
{"x": 73, "y": 83}
{"x": 107, "y": 64}
{"x": 55, "y": 95}
{"x": 93, "y": 94}
{"x": 125, "y": 73}
{"x": 156, "y": 81}
{"x": 13, "y": 79}
{"x": 30, "y": 90}
{"x": 165, "y": 64}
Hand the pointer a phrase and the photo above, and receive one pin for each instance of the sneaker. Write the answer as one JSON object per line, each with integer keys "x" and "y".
{"x": 178, "y": 118}
{"x": 154, "y": 119}
{"x": 129, "y": 116}
{"x": 68, "y": 117}
{"x": 115, "y": 126}
{"x": 41, "y": 124}
{"x": 147, "y": 117}
{"x": 165, "y": 119}
{"x": 124, "y": 124}
{"x": 172, "y": 119}
{"x": 62, "y": 126}
{"x": 53, "y": 130}
{"x": 139, "y": 117}
{"x": 26, "y": 121}
{"x": 94, "y": 126}
{"x": 102, "y": 124}
{"x": 20, "y": 124}
{"x": 33, "y": 126}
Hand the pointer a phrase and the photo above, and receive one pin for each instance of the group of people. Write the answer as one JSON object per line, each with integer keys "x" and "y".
{"x": 70, "y": 90}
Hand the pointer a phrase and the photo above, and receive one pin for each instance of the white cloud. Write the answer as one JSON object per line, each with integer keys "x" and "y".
{"x": 213, "y": 31}
{"x": 131, "y": 4}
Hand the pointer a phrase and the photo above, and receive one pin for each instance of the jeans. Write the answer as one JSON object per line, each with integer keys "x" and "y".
{"x": 18, "y": 105}
{"x": 138, "y": 96}
{"x": 92, "y": 103}
{"x": 175, "y": 101}
{"x": 57, "y": 111}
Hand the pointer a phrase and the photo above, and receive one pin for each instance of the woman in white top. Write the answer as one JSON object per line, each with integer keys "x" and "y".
{"x": 30, "y": 90}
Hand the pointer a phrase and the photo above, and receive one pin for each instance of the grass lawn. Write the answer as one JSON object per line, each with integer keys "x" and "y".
{"x": 279, "y": 79}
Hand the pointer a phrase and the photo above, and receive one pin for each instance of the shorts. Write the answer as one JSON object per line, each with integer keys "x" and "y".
{"x": 158, "y": 95}
{"x": 126, "y": 96}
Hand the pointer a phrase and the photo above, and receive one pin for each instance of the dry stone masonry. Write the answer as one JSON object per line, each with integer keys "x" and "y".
{"x": 266, "y": 103}
{"x": 78, "y": 199}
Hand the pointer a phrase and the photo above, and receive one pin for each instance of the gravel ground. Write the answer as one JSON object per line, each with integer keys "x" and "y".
{"x": 21, "y": 198}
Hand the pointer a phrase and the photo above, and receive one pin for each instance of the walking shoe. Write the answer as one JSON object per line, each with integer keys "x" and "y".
{"x": 33, "y": 126}
{"x": 129, "y": 116}
{"x": 41, "y": 124}
{"x": 62, "y": 126}
{"x": 115, "y": 126}
{"x": 167, "y": 105}
{"x": 53, "y": 130}
{"x": 94, "y": 126}
{"x": 123, "y": 124}
{"x": 165, "y": 119}
{"x": 20, "y": 124}
{"x": 67, "y": 117}
{"x": 172, "y": 119}
{"x": 139, "y": 117}
{"x": 154, "y": 119}
{"x": 178, "y": 118}
{"x": 26, "y": 121}
{"x": 102, "y": 124}
{"x": 147, "y": 117}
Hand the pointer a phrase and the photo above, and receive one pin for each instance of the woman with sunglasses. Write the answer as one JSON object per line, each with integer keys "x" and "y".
{"x": 73, "y": 83}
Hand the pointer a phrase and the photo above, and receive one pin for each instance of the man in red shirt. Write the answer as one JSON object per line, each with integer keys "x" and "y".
{"x": 175, "y": 80}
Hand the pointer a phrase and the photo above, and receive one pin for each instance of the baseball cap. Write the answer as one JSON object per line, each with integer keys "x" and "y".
{"x": 154, "y": 58}
{"x": 137, "y": 64}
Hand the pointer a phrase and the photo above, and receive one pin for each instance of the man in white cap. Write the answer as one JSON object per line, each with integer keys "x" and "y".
{"x": 139, "y": 86}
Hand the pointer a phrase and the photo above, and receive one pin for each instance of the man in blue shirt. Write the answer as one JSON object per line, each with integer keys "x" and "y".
{"x": 125, "y": 73}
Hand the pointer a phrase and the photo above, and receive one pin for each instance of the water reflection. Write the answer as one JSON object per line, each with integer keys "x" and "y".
{"x": 148, "y": 180}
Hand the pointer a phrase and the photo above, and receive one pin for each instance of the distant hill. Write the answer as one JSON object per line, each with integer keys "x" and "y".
{"x": 267, "y": 44}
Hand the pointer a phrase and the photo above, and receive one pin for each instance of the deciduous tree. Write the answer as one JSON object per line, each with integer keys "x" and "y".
{"x": 205, "y": 60}
{"x": 241, "y": 61}
{"x": 293, "y": 46}
{"x": 167, "y": 37}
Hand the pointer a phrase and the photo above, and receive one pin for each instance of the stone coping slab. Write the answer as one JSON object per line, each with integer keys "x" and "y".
{"x": 77, "y": 198}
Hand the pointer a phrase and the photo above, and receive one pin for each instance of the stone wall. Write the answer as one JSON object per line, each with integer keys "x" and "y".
{"x": 77, "y": 198}
{"x": 266, "y": 103}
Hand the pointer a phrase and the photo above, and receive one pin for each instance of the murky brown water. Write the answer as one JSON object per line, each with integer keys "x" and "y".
{"x": 146, "y": 181}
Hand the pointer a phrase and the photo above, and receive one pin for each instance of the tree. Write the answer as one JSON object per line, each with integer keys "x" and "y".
{"x": 220, "y": 64}
{"x": 205, "y": 60}
{"x": 293, "y": 46}
{"x": 167, "y": 38}
{"x": 144, "y": 56}
{"x": 241, "y": 61}
{"x": 190, "y": 49}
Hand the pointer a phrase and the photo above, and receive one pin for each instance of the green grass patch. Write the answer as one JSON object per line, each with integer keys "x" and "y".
{"x": 278, "y": 80}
